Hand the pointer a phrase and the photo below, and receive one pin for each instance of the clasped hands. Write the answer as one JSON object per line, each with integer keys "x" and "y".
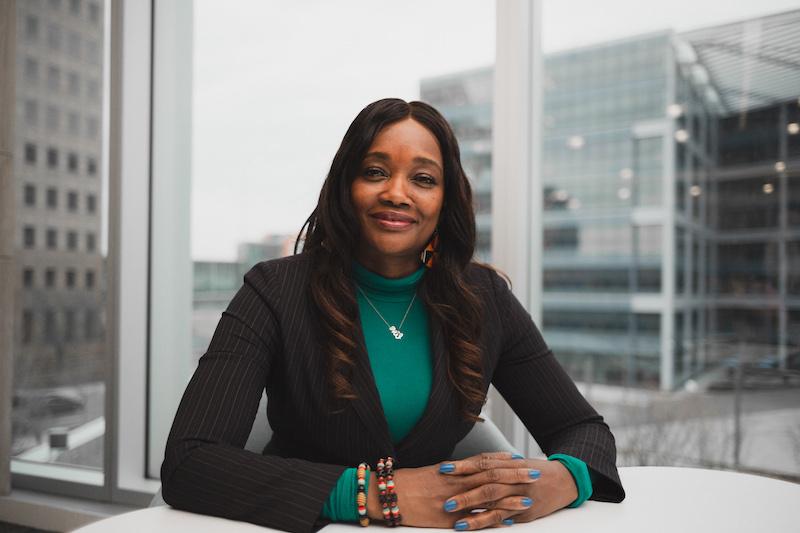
{"x": 507, "y": 487}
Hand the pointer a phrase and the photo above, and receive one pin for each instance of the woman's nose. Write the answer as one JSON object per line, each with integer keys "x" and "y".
{"x": 396, "y": 191}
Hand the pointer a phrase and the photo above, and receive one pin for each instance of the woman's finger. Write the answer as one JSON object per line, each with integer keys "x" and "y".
{"x": 492, "y": 518}
{"x": 480, "y": 463}
{"x": 491, "y": 496}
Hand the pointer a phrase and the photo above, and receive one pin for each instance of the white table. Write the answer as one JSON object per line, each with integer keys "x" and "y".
{"x": 659, "y": 499}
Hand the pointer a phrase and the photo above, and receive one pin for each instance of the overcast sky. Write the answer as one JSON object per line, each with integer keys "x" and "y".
{"x": 276, "y": 83}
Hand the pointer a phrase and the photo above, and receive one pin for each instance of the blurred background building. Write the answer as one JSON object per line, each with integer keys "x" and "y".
{"x": 671, "y": 166}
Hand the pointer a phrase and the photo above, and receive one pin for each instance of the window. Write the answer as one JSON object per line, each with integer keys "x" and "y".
{"x": 92, "y": 52}
{"x": 50, "y": 326}
{"x": 52, "y": 197}
{"x": 29, "y": 236}
{"x": 52, "y": 238}
{"x": 72, "y": 162}
{"x": 89, "y": 279}
{"x": 69, "y": 325}
{"x": 73, "y": 84}
{"x": 69, "y": 279}
{"x": 74, "y": 45}
{"x": 73, "y": 123}
{"x": 75, "y": 7}
{"x": 53, "y": 118}
{"x": 91, "y": 242}
{"x": 92, "y": 89}
{"x": 72, "y": 201}
{"x": 30, "y": 195}
{"x": 90, "y": 324}
{"x": 31, "y": 113}
{"x": 91, "y": 203}
{"x": 52, "y": 158}
{"x": 54, "y": 37}
{"x": 50, "y": 278}
{"x": 27, "y": 326}
{"x": 72, "y": 241}
{"x": 94, "y": 13}
{"x": 30, "y": 153}
{"x": 31, "y": 28}
{"x": 27, "y": 278}
{"x": 91, "y": 166}
{"x": 54, "y": 79}
{"x": 31, "y": 70}
{"x": 54, "y": 5}
{"x": 92, "y": 127}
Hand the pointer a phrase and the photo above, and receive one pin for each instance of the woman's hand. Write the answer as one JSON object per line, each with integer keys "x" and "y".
{"x": 508, "y": 503}
{"x": 423, "y": 492}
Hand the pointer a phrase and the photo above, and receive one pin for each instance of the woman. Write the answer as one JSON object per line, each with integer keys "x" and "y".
{"x": 380, "y": 340}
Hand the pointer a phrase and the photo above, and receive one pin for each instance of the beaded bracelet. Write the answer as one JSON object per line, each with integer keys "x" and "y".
{"x": 388, "y": 497}
{"x": 361, "y": 494}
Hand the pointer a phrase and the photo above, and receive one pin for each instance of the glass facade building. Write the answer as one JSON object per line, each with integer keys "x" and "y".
{"x": 670, "y": 222}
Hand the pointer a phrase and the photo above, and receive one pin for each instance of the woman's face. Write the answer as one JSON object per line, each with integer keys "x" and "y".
{"x": 398, "y": 195}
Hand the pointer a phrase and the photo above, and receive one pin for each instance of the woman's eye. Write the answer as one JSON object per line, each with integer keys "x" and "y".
{"x": 426, "y": 180}
{"x": 374, "y": 172}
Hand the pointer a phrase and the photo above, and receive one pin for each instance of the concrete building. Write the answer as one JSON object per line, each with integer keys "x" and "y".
{"x": 672, "y": 219}
{"x": 59, "y": 334}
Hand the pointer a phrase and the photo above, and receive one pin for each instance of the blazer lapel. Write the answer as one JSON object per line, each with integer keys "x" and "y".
{"x": 440, "y": 400}
{"x": 368, "y": 404}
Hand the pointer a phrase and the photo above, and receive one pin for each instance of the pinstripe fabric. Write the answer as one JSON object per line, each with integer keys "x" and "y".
{"x": 268, "y": 337}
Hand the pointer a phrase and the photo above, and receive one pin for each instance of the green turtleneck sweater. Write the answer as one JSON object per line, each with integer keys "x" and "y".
{"x": 403, "y": 372}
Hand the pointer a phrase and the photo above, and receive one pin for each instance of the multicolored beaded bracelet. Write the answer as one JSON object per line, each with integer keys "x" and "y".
{"x": 361, "y": 494}
{"x": 388, "y": 497}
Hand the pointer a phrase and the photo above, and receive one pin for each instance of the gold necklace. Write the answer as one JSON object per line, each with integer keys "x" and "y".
{"x": 395, "y": 331}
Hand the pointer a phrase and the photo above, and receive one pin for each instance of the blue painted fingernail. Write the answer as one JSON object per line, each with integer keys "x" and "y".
{"x": 517, "y": 456}
{"x": 447, "y": 468}
{"x": 534, "y": 474}
{"x": 527, "y": 502}
{"x": 461, "y": 525}
{"x": 508, "y": 521}
{"x": 450, "y": 505}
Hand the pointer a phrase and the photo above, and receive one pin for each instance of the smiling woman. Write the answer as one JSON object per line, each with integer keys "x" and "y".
{"x": 377, "y": 345}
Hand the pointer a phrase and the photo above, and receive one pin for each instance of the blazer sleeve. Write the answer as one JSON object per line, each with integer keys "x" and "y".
{"x": 205, "y": 469}
{"x": 547, "y": 401}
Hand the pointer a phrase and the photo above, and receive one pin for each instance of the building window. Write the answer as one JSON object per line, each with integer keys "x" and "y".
{"x": 89, "y": 324}
{"x": 91, "y": 242}
{"x": 72, "y": 201}
{"x": 92, "y": 127}
{"x": 72, "y": 240}
{"x": 75, "y": 7}
{"x": 73, "y": 84}
{"x": 52, "y": 238}
{"x": 31, "y": 28}
{"x": 93, "y": 90}
{"x": 27, "y": 326}
{"x": 27, "y": 278}
{"x": 53, "y": 78}
{"x": 52, "y": 118}
{"x": 30, "y": 195}
{"x": 52, "y": 198}
{"x": 54, "y": 36}
{"x": 91, "y": 166}
{"x": 31, "y": 113}
{"x": 31, "y": 70}
{"x": 94, "y": 13}
{"x": 89, "y": 279}
{"x": 50, "y": 278}
{"x": 93, "y": 52}
{"x": 55, "y": 5}
{"x": 29, "y": 236}
{"x": 49, "y": 325}
{"x": 69, "y": 279}
{"x": 73, "y": 121}
{"x": 30, "y": 153}
{"x": 74, "y": 45}
{"x": 72, "y": 162}
{"x": 52, "y": 158}
{"x": 69, "y": 325}
{"x": 91, "y": 203}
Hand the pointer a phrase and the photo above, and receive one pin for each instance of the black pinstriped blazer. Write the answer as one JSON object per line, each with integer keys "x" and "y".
{"x": 267, "y": 338}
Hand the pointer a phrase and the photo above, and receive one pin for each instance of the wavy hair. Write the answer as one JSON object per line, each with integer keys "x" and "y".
{"x": 332, "y": 236}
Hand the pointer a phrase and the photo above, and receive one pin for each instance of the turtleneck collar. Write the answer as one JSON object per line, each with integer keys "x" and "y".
{"x": 389, "y": 287}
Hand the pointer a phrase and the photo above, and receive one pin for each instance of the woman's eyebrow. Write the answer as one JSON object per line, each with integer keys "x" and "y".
{"x": 383, "y": 156}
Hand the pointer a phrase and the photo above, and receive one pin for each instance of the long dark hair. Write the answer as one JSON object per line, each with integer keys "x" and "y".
{"x": 332, "y": 235}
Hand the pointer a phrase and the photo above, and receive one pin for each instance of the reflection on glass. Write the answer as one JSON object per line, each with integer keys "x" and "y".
{"x": 59, "y": 342}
